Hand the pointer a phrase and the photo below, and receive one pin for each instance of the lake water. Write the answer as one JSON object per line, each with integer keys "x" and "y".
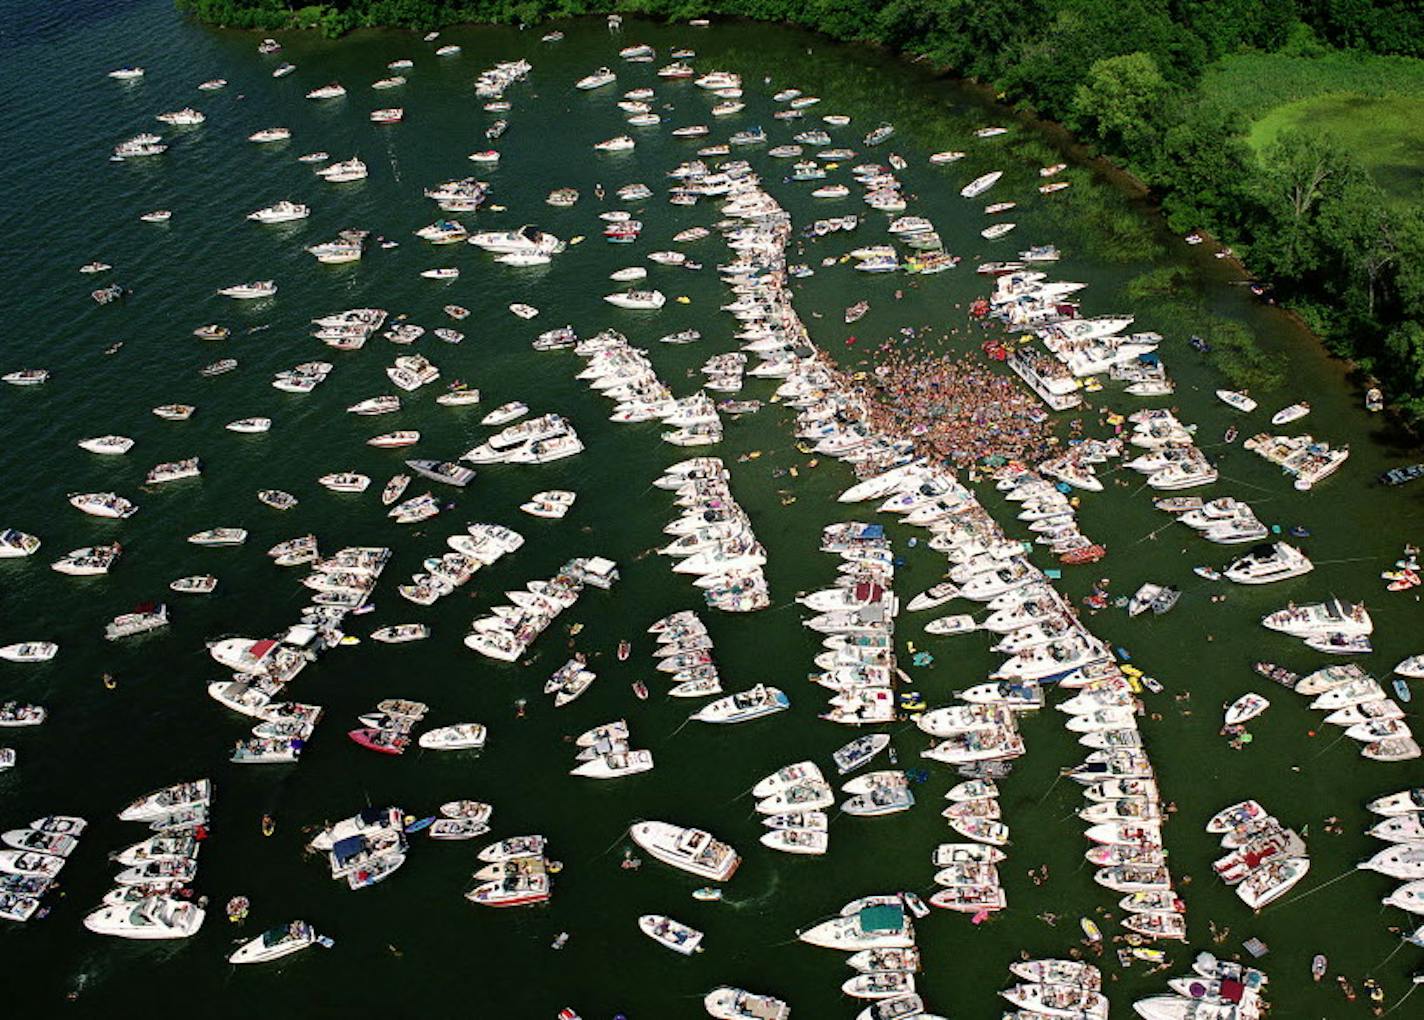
{"x": 413, "y": 944}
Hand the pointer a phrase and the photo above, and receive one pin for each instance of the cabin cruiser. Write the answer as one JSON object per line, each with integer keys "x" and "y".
{"x": 1265, "y": 564}
{"x": 524, "y": 240}
{"x": 186, "y": 117}
{"x": 282, "y": 212}
{"x": 152, "y": 918}
{"x": 138, "y": 146}
{"x": 691, "y": 850}
{"x": 343, "y": 172}
{"x": 1327, "y": 618}
{"x": 249, "y": 291}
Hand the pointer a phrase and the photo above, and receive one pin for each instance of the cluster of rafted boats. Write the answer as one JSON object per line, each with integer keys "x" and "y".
{"x": 878, "y": 934}
{"x": 1265, "y": 859}
{"x": 607, "y": 752}
{"x": 683, "y": 650}
{"x": 856, "y": 617}
{"x": 1214, "y": 990}
{"x": 1056, "y": 988}
{"x": 712, "y": 537}
{"x": 509, "y": 629}
{"x": 479, "y": 546}
{"x": 1334, "y": 626}
{"x": 1045, "y": 644}
{"x": 366, "y": 848}
{"x": 262, "y": 668}
{"x": 1356, "y": 702}
{"x": 152, "y": 896}
{"x": 1402, "y": 827}
{"x": 31, "y": 859}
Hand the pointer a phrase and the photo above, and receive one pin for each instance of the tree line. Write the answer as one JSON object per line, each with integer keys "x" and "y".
{"x": 1125, "y": 76}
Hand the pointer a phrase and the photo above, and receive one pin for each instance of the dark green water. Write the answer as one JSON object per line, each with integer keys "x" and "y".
{"x": 413, "y": 944}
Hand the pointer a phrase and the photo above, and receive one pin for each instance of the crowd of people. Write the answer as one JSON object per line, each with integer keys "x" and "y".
{"x": 955, "y": 407}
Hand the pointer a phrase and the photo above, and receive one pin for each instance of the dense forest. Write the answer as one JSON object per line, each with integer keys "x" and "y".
{"x": 1304, "y": 213}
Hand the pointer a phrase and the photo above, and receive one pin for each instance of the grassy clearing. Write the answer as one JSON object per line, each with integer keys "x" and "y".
{"x": 1386, "y": 133}
{"x": 1372, "y": 105}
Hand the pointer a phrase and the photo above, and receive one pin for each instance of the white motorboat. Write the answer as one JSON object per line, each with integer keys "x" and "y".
{"x": 103, "y": 504}
{"x": 17, "y": 544}
{"x": 1237, "y": 400}
{"x": 754, "y": 703}
{"x": 273, "y": 134}
{"x": 1268, "y": 563}
{"x": 250, "y": 291}
{"x": 107, "y": 445}
{"x": 281, "y": 212}
{"x": 29, "y": 651}
{"x": 671, "y": 934}
{"x": 196, "y": 584}
{"x": 691, "y": 850}
{"x": 603, "y": 76}
{"x": 728, "y": 1003}
{"x": 461, "y": 736}
{"x": 276, "y": 943}
{"x": 152, "y": 918}
{"x": 981, "y": 184}
{"x": 637, "y": 299}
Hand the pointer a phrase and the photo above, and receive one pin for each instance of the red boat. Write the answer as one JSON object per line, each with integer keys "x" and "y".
{"x": 381, "y": 741}
{"x": 1087, "y": 554}
{"x": 624, "y": 649}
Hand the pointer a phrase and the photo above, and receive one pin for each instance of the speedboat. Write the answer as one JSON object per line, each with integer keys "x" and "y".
{"x": 461, "y": 736}
{"x": 603, "y": 76}
{"x": 332, "y": 91}
{"x": 671, "y": 934}
{"x": 16, "y": 544}
{"x": 169, "y": 800}
{"x": 1237, "y": 400}
{"x": 728, "y": 1003}
{"x": 275, "y": 943}
{"x": 107, "y": 445}
{"x": 103, "y": 504}
{"x": 250, "y": 291}
{"x": 759, "y": 701}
